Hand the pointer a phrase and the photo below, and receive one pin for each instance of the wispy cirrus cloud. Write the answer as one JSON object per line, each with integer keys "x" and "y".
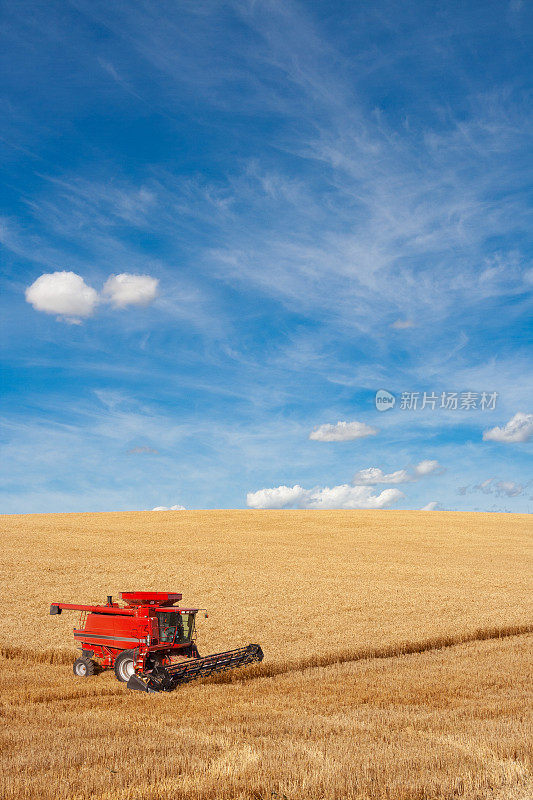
{"x": 386, "y": 252}
{"x": 144, "y": 450}
{"x": 402, "y": 324}
{"x": 364, "y": 229}
{"x": 492, "y": 486}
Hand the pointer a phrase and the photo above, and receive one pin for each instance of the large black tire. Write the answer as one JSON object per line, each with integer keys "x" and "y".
{"x": 124, "y": 668}
{"x": 84, "y": 667}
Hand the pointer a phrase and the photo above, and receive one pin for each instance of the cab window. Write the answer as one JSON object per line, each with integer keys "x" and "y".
{"x": 175, "y": 628}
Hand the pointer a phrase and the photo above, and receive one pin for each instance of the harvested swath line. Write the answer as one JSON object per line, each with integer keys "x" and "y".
{"x": 405, "y": 648}
{"x": 263, "y": 670}
{"x": 449, "y": 723}
{"x": 38, "y": 656}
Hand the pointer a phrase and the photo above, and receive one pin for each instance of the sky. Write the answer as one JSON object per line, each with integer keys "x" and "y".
{"x": 226, "y": 226}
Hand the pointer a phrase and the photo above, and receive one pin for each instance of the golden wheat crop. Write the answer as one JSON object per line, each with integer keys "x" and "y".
{"x": 332, "y": 712}
{"x": 301, "y": 583}
{"x": 437, "y": 725}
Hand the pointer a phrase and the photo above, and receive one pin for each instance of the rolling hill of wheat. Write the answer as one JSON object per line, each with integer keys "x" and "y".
{"x": 397, "y": 657}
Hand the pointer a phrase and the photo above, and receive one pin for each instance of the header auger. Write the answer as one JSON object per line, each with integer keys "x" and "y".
{"x": 149, "y": 642}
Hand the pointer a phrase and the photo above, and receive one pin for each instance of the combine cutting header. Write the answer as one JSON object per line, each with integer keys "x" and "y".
{"x": 149, "y": 642}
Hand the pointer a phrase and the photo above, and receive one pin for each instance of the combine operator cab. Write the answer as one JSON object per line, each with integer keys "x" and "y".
{"x": 176, "y": 627}
{"x": 148, "y": 641}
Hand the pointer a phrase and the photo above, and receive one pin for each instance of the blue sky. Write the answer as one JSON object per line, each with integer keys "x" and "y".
{"x": 304, "y": 203}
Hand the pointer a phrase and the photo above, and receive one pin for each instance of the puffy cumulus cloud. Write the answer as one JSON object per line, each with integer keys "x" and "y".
{"x": 343, "y": 496}
{"x": 433, "y": 506}
{"x": 373, "y": 475}
{"x": 426, "y": 468}
{"x": 342, "y": 432}
{"x": 63, "y": 293}
{"x": 518, "y": 429}
{"x": 358, "y": 494}
{"x": 280, "y": 497}
{"x": 169, "y": 508}
{"x": 67, "y": 295}
{"x": 346, "y": 497}
{"x": 130, "y": 290}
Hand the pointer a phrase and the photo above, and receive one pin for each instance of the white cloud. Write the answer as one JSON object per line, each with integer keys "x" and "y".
{"x": 346, "y": 496}
{"x": 373, "y": 475}
{"x": 130, "y": 290}
{"x": 426, "y": 467}
{"x": 433, "y": 506}
{"x": 402, "y": 324}
{"x": 343, "y": 497}
{"x": 342, "y": 432}
{"x": 169, "y": 508}
{"x": 280, "y": 497}
{"x": 491, "y": 486}
{"x": 508, "y": 488}
{"x": 63, "y": 293}
{"x": 67, "y": 295}
{"x": 518, "y": 429}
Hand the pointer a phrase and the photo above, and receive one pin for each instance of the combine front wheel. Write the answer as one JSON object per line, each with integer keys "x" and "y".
{"x": 124, "y": 667}
{"x": 84, "y": 667}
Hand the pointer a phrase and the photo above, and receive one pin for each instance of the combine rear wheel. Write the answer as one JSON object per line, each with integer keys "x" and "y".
{"x": 124, "y": 668}
{"x": 84, "y": 667}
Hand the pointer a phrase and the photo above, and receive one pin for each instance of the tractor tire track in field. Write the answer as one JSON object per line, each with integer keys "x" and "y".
{"x": 271, "y": 670}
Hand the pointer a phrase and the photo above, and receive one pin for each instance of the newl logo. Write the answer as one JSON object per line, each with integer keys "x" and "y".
{"x": 384, "y": 400}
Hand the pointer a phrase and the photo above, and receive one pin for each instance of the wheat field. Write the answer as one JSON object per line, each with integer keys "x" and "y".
{"x": 397, "y": 657}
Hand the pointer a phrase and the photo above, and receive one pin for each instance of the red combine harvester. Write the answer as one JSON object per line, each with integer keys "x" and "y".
{"x": 149, "y": 642}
